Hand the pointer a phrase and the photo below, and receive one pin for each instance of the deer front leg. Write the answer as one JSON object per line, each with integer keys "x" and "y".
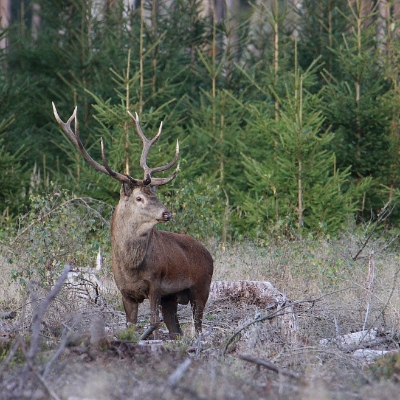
{"x": 131, "y": 310}
{"x": 155, "y": 299}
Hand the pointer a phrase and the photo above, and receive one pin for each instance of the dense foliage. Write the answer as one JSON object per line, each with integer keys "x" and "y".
{"x": 287, "y": 118}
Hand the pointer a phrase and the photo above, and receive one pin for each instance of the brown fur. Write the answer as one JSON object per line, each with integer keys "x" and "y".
{"x": 167, "y": 268}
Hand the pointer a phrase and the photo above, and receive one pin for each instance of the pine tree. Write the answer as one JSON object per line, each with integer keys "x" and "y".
{"x": 299, "y": 187}
{"x": 321, "y": 25}
{"x": 13, "y": 179}
{"x": 354, "y": 104}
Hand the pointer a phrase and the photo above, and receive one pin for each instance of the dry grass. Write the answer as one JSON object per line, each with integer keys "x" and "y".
{"x": 304, "y": 269}
{"x": 10, "y": 291}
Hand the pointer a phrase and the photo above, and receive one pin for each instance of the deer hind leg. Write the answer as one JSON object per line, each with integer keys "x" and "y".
{"x": 169, "y": 308}
{"x": 198, "y": 311}
{"x": 131, "y": 310}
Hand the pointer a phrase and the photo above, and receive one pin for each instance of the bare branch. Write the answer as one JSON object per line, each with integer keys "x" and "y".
{"x": 39, "y": 314}
{"x": 149, "y": 331}
{"x": 177, "y": 375}
{"x": 386, "y": 304}
{"x": 8, "y": 315}
{"x": 269, "y": 365}
{"x": 382, "y": 217}
{"x": 66, "y": 337}
{"x": 279, "y": 312}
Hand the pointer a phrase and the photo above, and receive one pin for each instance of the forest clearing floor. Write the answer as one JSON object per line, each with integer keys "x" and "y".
{"x": 87, "y": 353}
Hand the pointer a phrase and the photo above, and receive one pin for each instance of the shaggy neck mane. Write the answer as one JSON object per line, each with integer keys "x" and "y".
{"x": 137, "y": 249}
{"x": 132, "y": 250}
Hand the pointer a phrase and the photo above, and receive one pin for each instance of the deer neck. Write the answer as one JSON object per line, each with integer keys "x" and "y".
{"x": 130, "y": 242}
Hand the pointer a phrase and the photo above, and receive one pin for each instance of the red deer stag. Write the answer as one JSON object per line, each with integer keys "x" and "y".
{"x": 167, "y": 268}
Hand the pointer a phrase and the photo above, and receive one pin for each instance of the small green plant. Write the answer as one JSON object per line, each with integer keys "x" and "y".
{"x": 387, "y": 366}
{"x": 59, "y": 229}
{"x": 5, "y": 347}
{"x": 128, "y": 334}
{"x": 196, "y": 208}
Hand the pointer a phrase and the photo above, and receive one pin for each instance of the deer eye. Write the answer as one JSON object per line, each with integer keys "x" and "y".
{"x": 138, "y": 199}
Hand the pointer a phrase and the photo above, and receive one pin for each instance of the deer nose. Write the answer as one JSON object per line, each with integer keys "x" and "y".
{"x": 167, "y": 216}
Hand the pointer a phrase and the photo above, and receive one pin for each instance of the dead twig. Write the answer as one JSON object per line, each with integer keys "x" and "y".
{"x": 384, "y": 307}
{"x": 382, "y": 217}
{"x": 67, "y": 336}
{"x": 8, "y": 315}
{"x": 370, "y": 284}
{"x": 269, "y": 365}
{"x": 337, "y": 332}
{"x": 202, "y": 336}
{"x": 149, "y": 331}
{"x": 177, "y": 375}
{"x": 280, "y": 312}
{"x": 38, "y": 317}
{"x": 367, "y": 345}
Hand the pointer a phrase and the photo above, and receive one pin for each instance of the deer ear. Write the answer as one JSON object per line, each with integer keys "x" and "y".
{"x": 126, "y": 190}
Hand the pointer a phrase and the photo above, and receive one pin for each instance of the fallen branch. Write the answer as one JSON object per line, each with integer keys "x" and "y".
{"x": 368, "y": 345}
{"x": 8, "y": 315}
{"x": 38, "y": 317}
{"x": 259, "y": 293}
{"x": 280, "y": 313}
{"x": 149, "y": 331}
{"x": 177, "y": 375}
{"x": 48, "y": 389}
{"x": 126, "y": 348}
{"x": 63, "y": 344}
{"x": 269, "y": 365}
{"x": 386, "y": 304}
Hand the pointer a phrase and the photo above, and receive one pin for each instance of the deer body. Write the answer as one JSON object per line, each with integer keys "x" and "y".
{"x": 164, "y": 267}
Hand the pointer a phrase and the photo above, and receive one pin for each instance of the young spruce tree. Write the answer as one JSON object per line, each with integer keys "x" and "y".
{"x": 299, "y": 189}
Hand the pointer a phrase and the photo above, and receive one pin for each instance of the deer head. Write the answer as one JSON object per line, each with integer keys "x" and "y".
{"x": 137, "y": 197}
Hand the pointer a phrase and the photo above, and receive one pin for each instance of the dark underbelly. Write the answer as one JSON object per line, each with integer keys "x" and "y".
{"x": 135, "y": 295}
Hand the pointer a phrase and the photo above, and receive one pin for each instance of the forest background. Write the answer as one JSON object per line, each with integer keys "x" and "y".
{"x": 287, "y": 114}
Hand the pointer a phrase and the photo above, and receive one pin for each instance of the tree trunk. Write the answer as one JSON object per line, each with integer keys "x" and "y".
{"x": 5, "y": 16}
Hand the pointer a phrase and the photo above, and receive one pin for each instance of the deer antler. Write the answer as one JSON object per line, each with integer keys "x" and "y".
{"x": 148, "y": 180}
{"x": 66, "y": 126}
{"x": 105, "y": 168}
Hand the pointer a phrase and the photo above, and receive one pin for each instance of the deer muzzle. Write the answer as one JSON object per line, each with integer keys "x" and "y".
{"x": 166, "y": 216}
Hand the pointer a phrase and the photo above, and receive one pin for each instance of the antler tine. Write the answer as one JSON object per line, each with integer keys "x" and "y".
{"x": 66, "y": 126}
{"x": 170, "y": 164}
{"x": 103, "y": 156}
{"x": 111, "y": 172}
{"x": 75, "y": 139}
{"x": 164, "y": 181}
{"x": 145, "y": 152}
{"x": 146, "y": 148}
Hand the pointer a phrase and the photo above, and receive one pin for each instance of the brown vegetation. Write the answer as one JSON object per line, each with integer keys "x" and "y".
{"x": 80, "y": 357}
